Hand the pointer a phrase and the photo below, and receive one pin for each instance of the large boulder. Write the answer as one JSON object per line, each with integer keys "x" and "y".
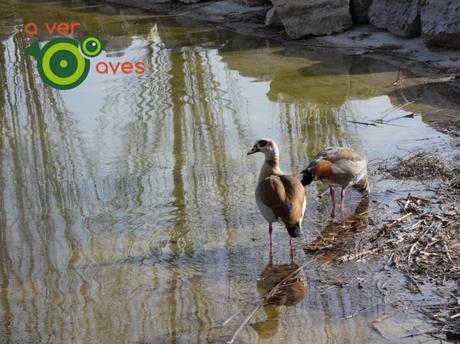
{"x": 272, "y": 19}
{"x": 400, "y": 17}
{"x": 359, "y": 10}
{"x": 313, "y": 17}
{"x": 254, "y": 3}
{"x": 441, "y": 23}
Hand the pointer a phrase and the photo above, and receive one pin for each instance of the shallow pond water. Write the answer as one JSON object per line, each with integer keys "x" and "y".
{"x": 127, "y": 204}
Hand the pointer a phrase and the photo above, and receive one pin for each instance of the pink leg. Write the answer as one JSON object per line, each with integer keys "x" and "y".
{"x": 332, "y": 192}
{"x": 292, "y": 247}
{"x": 342, "y": 203}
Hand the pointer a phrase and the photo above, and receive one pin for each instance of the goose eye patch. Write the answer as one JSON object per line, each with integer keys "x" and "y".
{"x": 262, "y": 143}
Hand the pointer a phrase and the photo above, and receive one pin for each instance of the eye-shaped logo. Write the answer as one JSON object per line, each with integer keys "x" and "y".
{"x": 62, "y": 64}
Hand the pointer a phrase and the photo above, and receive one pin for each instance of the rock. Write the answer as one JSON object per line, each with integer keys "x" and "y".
{"x": 224, "y": 11}
{"x": 189, "y": 1}
{"x": 359, "y": 10}
{"x": 313, "y": 17}
{"x": 400, "y": 17}
{"x": 254, "y": 3}
{"x": 272, "y": 19}
{"x": 441, "y": 23}
{"x": 143, "y": 4}
{"x": 131, "y": 11}
{"x": 107, "y": 9}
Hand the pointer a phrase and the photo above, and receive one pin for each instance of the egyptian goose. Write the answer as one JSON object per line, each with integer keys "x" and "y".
{"x": 280, "y": 198}
{"x": 338, "y": 166}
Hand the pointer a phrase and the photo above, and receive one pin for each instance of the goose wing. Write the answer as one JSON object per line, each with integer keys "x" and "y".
{"x": 285, "y": 196}
{"x": 338, "y": 166}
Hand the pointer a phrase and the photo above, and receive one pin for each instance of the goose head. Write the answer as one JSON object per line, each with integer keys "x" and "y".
{"x": 266, "y": 146}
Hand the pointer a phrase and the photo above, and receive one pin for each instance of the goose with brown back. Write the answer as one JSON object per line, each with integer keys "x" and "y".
{"x": 338, "y": 167}
{"x": 280, "y": 197}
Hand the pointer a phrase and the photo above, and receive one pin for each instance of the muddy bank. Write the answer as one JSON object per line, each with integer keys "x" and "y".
{"x": 413, "y": 233}
{"x": 403, "y": 245}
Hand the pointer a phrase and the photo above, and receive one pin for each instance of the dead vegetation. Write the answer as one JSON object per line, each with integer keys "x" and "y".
{"x": 420, "y": 166}
{"x": 424, "y": 240}
{"x": 423, "y": 243}
{"x": 419, "y": 242}
{"x": 447, "y": 316}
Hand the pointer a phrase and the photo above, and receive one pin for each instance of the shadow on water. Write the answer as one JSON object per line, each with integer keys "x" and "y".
{"x": 335, "y": 238}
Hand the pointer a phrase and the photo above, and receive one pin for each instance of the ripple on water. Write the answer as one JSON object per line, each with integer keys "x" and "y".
{"x": 128, "y": 210}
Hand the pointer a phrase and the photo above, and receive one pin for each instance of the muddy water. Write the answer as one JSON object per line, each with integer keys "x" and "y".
{"x": 127, "y": 208}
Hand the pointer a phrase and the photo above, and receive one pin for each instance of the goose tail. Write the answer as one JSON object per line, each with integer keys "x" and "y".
{"x": 307, "y": 177}
{"x": 363, "y": 185}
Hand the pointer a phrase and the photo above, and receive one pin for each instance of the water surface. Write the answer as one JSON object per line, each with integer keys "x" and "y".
{"x": 127, "y": 207}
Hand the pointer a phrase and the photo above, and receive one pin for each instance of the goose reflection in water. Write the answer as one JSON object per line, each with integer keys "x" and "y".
{"x": 279, "y": 285}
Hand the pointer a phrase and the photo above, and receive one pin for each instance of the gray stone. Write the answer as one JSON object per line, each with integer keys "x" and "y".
{"x": 254, "y": 3}
{"x": 272, "y": 19}
{"x": 400, "y": 17}
{"x": 190, "y": 1}
{"x": 313, "y": 17}
{"x": 225, "y": 11}
{"x": 143, "y": 4}
{"x": 359, "y": 10}
{"x": 441, "y": 23}
{"x": 107, "y": 9}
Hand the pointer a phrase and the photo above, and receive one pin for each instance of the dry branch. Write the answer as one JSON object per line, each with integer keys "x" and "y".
{"x": 359, "y": 255}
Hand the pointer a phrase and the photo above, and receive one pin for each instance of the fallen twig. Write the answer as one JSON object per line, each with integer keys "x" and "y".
{"x": 243, "y": 324}
{"x": 407, "y": 203}
{"x": 394, "y": 222}
{"x": 359, "y": 255}
{"x": 387, "y": 112}
{"x": 414, "y": 283}
{"x": 365, "y": 123}
{"x": 411, "y": 115}
{"x": 231, "y": 318}
{"x": 379, "y": 331}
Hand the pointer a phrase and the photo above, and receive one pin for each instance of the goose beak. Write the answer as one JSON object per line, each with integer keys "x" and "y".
{"x": 253, "y": 150}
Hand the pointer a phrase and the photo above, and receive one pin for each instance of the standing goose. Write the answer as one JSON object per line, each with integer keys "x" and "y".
{"x": 280, "y": 198}
{"x": 338, "y": 166}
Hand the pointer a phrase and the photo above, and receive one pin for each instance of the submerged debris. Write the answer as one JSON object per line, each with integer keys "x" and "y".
{"x": 455, "y": 182}
{"x": 412, "y": 204}
{"x": 430, "y": 246}
{"x": 425, "y": 240}
{"x": 447, "y": 316}
{"x": 421, "y": 241}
